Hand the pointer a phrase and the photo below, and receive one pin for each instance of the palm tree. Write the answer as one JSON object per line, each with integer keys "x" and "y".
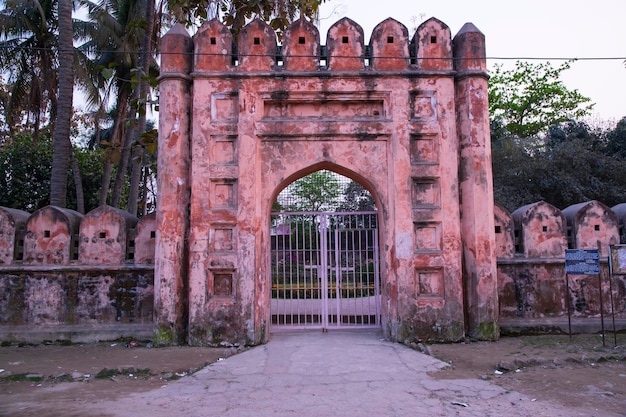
{"x": 115, "y": 38}
{"x": 27, "y": 55}
{"x": 61, "y": 145}
{"x": 36, "y": 49}
{"x": 140, "y": 98}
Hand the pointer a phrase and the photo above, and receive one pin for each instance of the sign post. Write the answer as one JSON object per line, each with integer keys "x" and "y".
{"x": 617, "y": 266}
{"x": 582, "y": 262}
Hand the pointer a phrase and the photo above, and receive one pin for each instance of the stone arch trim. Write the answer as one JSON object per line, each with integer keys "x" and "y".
{"x": 330, "y": 167}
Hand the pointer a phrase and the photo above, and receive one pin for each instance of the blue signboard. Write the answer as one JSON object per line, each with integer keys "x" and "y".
{"x": 582, "y": 261}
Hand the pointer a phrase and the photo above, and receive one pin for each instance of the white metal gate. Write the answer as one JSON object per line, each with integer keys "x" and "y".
{"x": 325, "y": 270}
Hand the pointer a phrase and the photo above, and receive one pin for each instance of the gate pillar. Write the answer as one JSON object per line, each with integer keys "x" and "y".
{"x": 476, "y": 184}
{"x": 172, "y": 220}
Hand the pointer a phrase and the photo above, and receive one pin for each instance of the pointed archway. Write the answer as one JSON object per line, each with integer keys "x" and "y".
{"x": 324, "y": 255}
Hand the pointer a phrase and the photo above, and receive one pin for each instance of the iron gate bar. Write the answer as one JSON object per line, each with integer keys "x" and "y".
{"x": 318, "y": 256}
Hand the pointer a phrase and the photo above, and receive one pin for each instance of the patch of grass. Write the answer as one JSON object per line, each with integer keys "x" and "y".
{"x": 578, "y": 343}
{"x": 110, "y": 373}
{"x": 163, "y": 337}
{"x": 106, "y": 373}
{"x": 26, "y": 376}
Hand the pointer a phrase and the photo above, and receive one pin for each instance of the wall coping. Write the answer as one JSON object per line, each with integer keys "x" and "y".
{"x": 75, "y": 268}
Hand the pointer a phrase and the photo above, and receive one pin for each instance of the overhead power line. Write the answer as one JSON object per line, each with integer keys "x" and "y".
{"x": 367, "y": 56}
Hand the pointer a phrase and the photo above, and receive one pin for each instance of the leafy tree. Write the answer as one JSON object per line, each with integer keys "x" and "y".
{"x": 577, "y": 169}
{"x": 574, "y": 165}
{"x": 114, "y": 38}
{"x": 616, "y": 140}
{"x": 529, "y": 98}
{"x": 236, "y": 13}
{"x": 138, "y": 108}
{"x": 90, "y": 165}
{"x": 27, "y": 54}
{"x": 25, "y": 174}
{"x": 514, "y": 183}
{"x": 357, "y": 198}
{"x": 319, "y": 191}
{"x": 5, "y": 96}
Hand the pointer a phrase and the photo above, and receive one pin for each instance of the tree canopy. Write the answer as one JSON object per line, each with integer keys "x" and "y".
{"x": 25, "y": 174}
{"x": 112, "y": 57}
{"x": 529, "y": 98}
{"x": 236, "y": 13}
{"x": 541, "y": 147}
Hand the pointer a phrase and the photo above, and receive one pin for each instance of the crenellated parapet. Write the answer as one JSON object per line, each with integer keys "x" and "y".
{"x": 59, "y": 236}
{"x": 541, "y": 230}
{"x": 13, "y": 227}
{"x": 432, "y": 46}
{"x": 256, "y": 49}
{"x": 592, "y": 224}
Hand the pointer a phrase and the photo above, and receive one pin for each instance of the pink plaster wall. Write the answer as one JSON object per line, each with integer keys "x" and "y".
{"x": 476, "y": 184}
{"x": 385, "y": 122}
{"x": 173, "y": 183}
{"x": 505, "y": 233}
{"x": 145, "y": 240}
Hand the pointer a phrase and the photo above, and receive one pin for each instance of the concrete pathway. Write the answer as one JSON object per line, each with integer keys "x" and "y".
{"x": 339, "y": 373}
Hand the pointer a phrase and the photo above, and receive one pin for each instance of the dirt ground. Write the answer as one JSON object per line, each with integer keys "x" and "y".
{"x": 55, "y": 380}
{"x": 581, "y": 374}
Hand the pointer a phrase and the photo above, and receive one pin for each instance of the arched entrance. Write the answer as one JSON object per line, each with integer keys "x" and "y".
{"x": 407, "y": 117}
{"x": 324, "y": 255}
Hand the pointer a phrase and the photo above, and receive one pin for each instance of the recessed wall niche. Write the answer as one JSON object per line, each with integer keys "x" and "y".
{"x": 424, "y": 149}
{"x": 223, "y": 194}
{"x": 429, "y": 283}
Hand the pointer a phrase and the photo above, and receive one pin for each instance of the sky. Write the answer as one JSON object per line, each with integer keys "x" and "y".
{"x": 522, "y": 29}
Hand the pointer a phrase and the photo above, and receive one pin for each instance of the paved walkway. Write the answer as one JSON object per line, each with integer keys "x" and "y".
{"x": 340, "y": 373}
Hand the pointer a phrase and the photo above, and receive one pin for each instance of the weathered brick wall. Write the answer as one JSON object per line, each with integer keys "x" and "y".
{"x": 531, "y": 277}
{"x": 118, "y": 288}
{"x": 76, "y": 295}
{"x": 60, "y": 268}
